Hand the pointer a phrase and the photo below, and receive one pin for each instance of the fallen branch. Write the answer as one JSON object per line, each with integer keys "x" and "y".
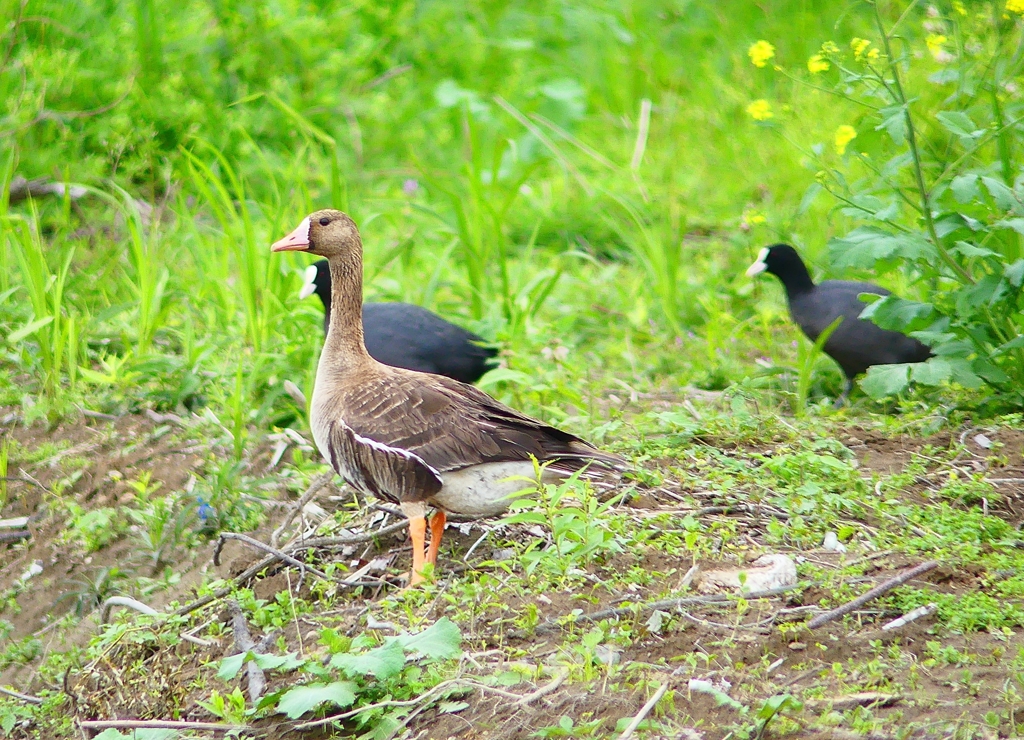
{"x": 20, "y": 696}
{"x": 148, "y": 611}
{"x": 255, "y": 568}
{"x": 874, "y": 593}
{"x": 22, "y": 479}
{"x": 22, "y": 189}
{"x": 244, "y": 644}
{"x": 16, "y": 536}
{"x": 921, "y": 611}
{"x": 314, "y": 488}
{"x": 544, "y": 690}
{"x": 644, "y": 711}
{"x": 98, "y": 725}
{"x": 266, "y": 548}
{"x": 665, "y": 604}
{"x": 353, "y": 539}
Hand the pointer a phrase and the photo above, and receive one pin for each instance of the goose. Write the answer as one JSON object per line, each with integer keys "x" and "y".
{"x": 856, "y": 344}
{"x": 414, "y": 438}
{"x": 407, "y": 335}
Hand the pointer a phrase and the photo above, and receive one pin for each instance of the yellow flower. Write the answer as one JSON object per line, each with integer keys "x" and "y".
{"x": 760, "y": 52}
{"x": 817, "y": 63}
{"x": 754, "y": 217}
{"x": 936, "y": 40}
{"x": 961, "y": 10}
{"x": 859, "y": 46}
{"x": 829, "y": 47}
{"x": 760, "y": 110}
{"x": 1015, "y": 6}
{"x": 844, "y": 135}
{"x": 872, "y": 55}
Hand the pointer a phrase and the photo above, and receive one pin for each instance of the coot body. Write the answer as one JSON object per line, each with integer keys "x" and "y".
{"x": 409, "y": 336}
{"x": 856, "y": 344}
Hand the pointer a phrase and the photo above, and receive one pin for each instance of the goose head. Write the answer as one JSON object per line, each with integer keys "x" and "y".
{"x": 327, "y": 233}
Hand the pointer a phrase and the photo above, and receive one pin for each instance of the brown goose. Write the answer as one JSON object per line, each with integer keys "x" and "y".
{"x": 416, "y": 438}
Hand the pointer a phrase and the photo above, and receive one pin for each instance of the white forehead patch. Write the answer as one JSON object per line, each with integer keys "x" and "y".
{"x": 308, "y": 284}
{"x": 759, "y": 265}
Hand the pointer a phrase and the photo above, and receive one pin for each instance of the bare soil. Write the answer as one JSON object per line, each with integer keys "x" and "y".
{"x": 148, "y": 677}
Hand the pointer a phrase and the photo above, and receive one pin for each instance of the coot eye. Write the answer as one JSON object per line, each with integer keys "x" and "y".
{"x": 324, "y": 221}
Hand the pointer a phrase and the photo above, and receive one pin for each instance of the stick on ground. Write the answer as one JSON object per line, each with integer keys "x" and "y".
{"x": 644, "y": 711}
{"x": 879, "y": 590}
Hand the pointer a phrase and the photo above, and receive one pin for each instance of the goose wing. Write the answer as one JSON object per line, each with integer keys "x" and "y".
{"x": 385, "y": 471}
{"x": 450, "y": 425}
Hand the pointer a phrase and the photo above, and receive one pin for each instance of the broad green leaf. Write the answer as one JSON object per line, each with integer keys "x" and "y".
{"x": 958, "y": 124}
{"x": 964, "y": 188}
{"x": 951, "y": 222}
{"x": 1015, "y": 273}
{"x": 865, "y": 245}
{"x": 895, "y": 123}
{"x": 1015, "y": 343}
{"x": 810, "y": 195}
{"x": 963, "y": 373}
{"x": 450, "y": 707}
{"x": 296, "y": 702}
{"x": 269, "y": 662}
{"x": 384, "y": 662}
{"x": 1017, "y": 224}
{"x": 386, "y": 726}
{"x": 986, "y": 291}
{"x": 966, "y": 249}
{"x": 775, "y": 704}
{"x": 895, "y": 313}
{"x": 138, "y": 734}
{"x": 1001, "y": 194}
{"x": 441, "y": 640}
{"x": 721, "y": 698}
{"x": 886, "y": 380}
{"x": 231, "y": 665}
{"x": 935, "y": 371}
{"x": 989, "y": 371}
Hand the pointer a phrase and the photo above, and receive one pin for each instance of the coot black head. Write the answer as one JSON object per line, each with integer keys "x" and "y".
{"x": 856, "y": 344}
{"x": 783, "y": 261}
{"x": 409, "y": 336}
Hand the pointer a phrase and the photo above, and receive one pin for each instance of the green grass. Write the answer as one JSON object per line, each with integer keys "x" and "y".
{"x": 580, "y": 184}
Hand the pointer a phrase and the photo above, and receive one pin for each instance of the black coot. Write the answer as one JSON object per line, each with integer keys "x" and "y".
{"x": 856, "y": 344}
{"x": 409, "y": 336}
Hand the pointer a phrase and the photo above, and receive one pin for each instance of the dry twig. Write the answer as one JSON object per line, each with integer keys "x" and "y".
{"x": 314, "y": 488}
{"x": 266, "y": 548}
{"x": 644, "y": 711}
{"x": 98, "y": 725}
{"x": 20, "y": 696}
{"x": 665, "y": 604}
{"x": 874, "y": 593}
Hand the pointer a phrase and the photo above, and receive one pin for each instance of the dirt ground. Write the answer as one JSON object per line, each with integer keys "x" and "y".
{"x": 149, "y": 679}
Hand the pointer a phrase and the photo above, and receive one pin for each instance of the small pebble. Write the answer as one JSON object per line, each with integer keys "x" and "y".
{"x": 797, "y": 646}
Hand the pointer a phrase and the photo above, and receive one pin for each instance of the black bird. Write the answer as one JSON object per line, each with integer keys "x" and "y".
{"x": 409, "y": 336}
{"x": 856, "y": 344}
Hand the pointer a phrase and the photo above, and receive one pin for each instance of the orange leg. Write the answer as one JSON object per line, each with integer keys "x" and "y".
{"x": 436, "y": 532}
{"x": 418, "y": 532}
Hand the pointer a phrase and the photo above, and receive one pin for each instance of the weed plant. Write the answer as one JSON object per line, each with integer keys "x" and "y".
{"x": 928, "y": 168}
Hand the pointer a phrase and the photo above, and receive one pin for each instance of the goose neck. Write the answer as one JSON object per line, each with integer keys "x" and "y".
{"x": 344, "y": 344}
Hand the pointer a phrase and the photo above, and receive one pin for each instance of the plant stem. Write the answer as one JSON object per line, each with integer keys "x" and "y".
{"x": 926, "y": 206}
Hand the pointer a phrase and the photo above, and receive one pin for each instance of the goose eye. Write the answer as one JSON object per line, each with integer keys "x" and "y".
{"x": 324, "y": 221}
